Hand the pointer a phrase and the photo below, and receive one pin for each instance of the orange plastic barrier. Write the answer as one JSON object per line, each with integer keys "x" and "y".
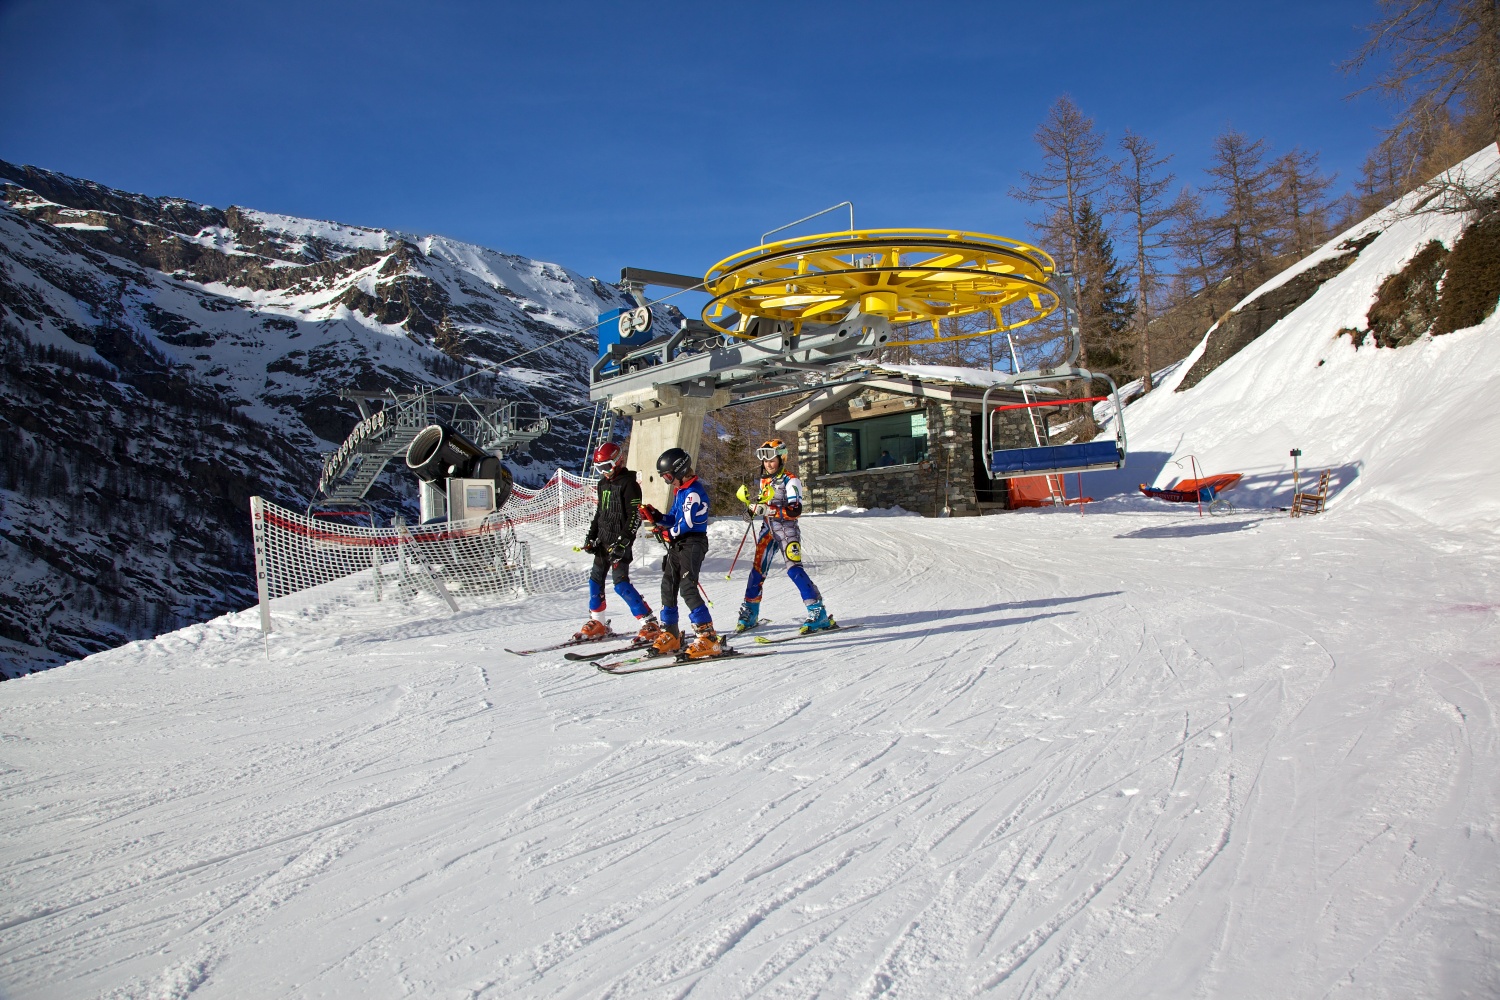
{"x": 1033, "y": 491}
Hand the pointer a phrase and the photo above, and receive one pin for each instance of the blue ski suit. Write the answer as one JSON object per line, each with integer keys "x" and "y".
{"x": 685, "y": 530}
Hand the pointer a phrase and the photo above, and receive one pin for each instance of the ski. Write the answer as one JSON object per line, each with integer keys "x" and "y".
{"x": 624, "y": 667}
{"x": 565, "y": 645}
{"x": 751, "y": 628}
{"x": 600, "y": 654}
{"x": 608, "y": 666}
{"x": 805, "y": 635}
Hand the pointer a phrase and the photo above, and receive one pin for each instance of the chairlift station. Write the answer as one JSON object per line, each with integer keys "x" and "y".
{"x": 787, "y": 317}
{"x": 798, "y": 316}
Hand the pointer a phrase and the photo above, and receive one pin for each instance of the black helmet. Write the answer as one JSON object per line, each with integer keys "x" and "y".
{"x": 675, "y": 463}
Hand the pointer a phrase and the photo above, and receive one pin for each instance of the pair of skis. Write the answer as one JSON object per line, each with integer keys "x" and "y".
{"x": 632, "y": 665}
{"x": 645, "y": 654}
{"x": 623, "y": 666}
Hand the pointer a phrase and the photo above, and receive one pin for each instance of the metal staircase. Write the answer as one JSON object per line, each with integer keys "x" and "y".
{"x": 384, "y": 433}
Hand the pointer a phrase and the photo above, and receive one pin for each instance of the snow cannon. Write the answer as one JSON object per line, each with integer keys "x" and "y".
{"x": 458, "y": 477}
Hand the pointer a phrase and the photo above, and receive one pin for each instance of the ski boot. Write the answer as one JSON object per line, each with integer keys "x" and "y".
{"x": 650, "y": 629}
{"x": 592, "y": 629}
{"x": 706, "y": 643}
{"x": 668, "y": 640}
{"x": 818, "y": 620}
{"x": 749, "y": 616}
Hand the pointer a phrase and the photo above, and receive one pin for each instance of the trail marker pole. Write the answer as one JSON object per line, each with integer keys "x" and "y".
{"x": 1296, "y": 454}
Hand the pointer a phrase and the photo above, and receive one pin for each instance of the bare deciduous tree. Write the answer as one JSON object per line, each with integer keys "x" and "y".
{"x": 1300, "y": 198}
{"x": 1140, "y": 187}
{"x": 1244, "y": 227}
{"x": 1443, "y": 69}
{"x": 1075, "y": 167}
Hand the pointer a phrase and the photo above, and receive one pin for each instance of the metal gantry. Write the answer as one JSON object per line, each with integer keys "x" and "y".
{"x": 389, "y": 421}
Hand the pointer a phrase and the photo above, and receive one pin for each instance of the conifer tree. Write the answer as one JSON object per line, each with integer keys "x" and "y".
{"x": 1106, "y": 306}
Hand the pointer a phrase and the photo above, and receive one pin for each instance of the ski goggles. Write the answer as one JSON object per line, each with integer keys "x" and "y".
{"x": 605, "y": 468}
{"x": 767, "y": 454}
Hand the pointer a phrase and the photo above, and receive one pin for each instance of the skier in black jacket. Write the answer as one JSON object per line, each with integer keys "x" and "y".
{"x": 611, "y": 539}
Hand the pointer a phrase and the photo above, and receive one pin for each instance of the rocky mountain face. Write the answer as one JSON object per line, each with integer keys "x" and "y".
{"x": 165, "y": 360}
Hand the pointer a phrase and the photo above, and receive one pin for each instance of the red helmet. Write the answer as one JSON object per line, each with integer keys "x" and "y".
{"x": 606, "y": 457}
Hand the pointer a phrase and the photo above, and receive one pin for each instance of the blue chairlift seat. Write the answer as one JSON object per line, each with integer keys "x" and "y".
{"x": 1055, "y": 459}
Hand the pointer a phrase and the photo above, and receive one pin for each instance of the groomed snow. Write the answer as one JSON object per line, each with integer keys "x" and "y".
{"x": 1130, "y": 753}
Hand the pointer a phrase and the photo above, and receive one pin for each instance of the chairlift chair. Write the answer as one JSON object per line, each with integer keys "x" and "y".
{"x": 1052, "y": 460}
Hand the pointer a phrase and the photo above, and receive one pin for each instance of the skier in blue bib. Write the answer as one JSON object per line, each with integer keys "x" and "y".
{"x": 685, "y": 532}
{"x": 779, "y": 502}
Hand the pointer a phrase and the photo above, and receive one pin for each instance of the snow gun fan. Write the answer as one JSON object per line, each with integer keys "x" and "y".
{"x": 457, "y": 475}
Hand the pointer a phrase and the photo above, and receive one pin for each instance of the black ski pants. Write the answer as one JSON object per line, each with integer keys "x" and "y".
{"x": 679, "y": 575}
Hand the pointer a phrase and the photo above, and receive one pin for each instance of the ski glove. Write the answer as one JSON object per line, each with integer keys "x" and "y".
{"x": 650, "y": 513}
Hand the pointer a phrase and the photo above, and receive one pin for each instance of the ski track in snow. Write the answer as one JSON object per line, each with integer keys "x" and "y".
{"x": 1091, "y": 763}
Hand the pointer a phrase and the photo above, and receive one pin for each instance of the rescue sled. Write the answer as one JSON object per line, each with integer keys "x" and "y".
{"x": 1205, "y": 490}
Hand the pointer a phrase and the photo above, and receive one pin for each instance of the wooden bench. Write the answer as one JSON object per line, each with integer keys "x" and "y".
{"x": 1312, "y": 501}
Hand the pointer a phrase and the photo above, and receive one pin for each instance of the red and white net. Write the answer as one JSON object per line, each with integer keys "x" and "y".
{"x": 307, "y": 567}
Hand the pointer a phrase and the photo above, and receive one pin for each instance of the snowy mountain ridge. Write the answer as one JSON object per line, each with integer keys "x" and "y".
{"x": 166, "y": 360}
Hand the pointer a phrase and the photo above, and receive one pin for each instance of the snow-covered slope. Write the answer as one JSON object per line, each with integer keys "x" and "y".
{"x": 1123, "y": 754}
{"x": 1414, "y": 426}
{"x": 163, "y": 361}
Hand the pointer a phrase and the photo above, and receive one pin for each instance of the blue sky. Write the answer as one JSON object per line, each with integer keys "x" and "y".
{"x": 665, "y": 135}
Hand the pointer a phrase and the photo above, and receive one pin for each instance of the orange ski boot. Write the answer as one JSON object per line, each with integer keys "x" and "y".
{"x": 668, "y": 641}
{"x": 705, "y": 644}
{"x": 592, "y": 629}
{"x": 650, "y": 629}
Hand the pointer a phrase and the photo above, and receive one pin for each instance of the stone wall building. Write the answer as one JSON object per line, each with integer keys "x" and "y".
{"x": 910, "y": 436}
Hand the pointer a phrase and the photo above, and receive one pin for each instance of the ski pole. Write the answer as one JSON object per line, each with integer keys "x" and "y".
{"x": 736, "y": 560}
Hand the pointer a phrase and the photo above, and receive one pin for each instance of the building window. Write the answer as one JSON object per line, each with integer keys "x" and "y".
{"x": 898, "y": 439}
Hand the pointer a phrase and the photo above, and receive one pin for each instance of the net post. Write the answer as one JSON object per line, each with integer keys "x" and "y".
{"x": 562, "y": 525}
{"x": 377, "y": 563}
{"x": 258, "y": 526}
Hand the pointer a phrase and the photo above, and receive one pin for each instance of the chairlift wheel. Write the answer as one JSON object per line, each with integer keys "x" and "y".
{"x": 913, "y": 278}
{"x": 640, "y": 319}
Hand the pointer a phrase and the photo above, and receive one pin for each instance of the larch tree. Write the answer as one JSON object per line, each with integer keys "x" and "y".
{"x": 1300, "y": 197}
{"x": 1140, "y": 188}
{"x": 1074, "y": 168}
{"x": 1244, "y": 228}
{"x": 1442, "y": 68}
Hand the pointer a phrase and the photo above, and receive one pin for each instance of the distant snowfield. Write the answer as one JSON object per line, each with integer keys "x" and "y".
{"x": 1131, "y": 753}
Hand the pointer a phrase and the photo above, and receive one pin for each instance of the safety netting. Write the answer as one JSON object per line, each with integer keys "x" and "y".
{"x": 308, "y": 566}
